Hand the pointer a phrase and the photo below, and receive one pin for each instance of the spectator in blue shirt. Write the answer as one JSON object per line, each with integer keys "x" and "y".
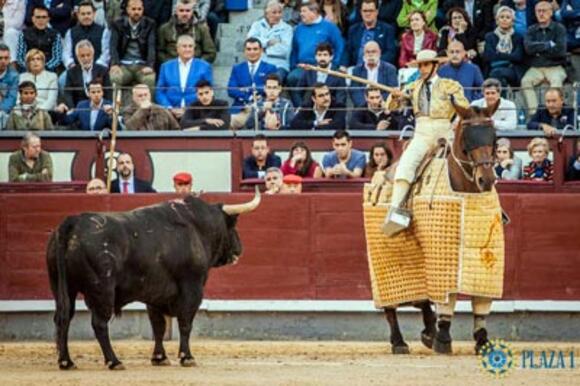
{"x": 312, "y": 31}
{"x": 8, "y": 85}
{"x": 255, "y": 165}
{"x": 344, "y": 161}
{"x": 462, "y": 71}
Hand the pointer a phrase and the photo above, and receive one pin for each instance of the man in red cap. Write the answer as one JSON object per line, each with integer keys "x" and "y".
{"x": 182, "y": 182}
{"x": 292, "y": 184}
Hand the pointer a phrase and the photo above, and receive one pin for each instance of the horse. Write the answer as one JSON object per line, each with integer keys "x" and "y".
{"x": 470, "y": 158}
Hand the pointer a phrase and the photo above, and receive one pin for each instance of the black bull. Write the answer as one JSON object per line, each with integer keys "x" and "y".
{"x": 159, "y": 255}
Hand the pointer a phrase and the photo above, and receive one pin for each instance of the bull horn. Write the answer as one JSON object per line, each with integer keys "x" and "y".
{"x": 245, "y": 207}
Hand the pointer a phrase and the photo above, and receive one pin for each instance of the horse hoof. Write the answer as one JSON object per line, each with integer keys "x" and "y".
{"x": 160, "y": 361}
{"x": 188, "y": 362}
{"x": 116, "y": 366}
{"x": 427, "y": 339}
{"x": 400, "y": 350}
{"x": 442, "y": 347}
{"x": 481, "y": 340}
{"x": 66, "y": 365}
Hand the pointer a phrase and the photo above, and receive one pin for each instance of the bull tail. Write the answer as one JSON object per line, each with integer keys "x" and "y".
{"x": 63, "y": 301}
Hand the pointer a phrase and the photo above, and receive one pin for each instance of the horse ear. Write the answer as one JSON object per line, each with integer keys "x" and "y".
{"x": 464, "y": 113}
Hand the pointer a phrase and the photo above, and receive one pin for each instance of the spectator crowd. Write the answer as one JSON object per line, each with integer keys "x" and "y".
{"x": 59, "y": 61}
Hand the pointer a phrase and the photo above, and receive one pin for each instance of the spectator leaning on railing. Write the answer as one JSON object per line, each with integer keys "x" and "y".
{"x": 26, "y": 115}
{"x": 93, "y": 114}
{"x": 507, "y": 166}
{"x": 380, "y": 158}
{"x": 206, "y": 113}
{"x": 554, "y": 116}
{"x": 344, "y": 161}
{"x": 30, "y": 163}
{"x": 540, "y": 167}
{"x": 301, "y": 163}
{"x": 322, "y": 114}
{"x": 504, "y": 112}
{"x": 274, "y": 112}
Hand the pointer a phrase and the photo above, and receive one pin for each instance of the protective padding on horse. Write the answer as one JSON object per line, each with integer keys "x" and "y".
{"x": 455, "y": 243}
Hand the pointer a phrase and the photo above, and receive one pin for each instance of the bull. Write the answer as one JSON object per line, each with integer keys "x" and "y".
{"x": 159, "y": 255}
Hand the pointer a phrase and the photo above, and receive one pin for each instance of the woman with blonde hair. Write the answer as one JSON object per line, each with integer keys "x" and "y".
{"x": 45, "y": 81}
{"x": 540, "y": 167}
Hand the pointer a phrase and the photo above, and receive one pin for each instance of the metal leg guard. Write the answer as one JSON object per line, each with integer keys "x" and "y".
{"x": 397, "y": 219}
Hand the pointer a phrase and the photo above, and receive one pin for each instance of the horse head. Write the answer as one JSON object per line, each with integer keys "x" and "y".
{"x": 474, "y": 146}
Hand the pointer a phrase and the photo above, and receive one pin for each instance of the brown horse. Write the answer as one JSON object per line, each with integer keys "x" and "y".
{"x": 471, "y": 159}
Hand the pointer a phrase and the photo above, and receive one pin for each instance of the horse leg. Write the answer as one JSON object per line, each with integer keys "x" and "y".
{"x": 481, "y": 308}
{"x": 442, "y": 342}
{"x": 398, "y": 345}
{"x": 430, "y": 321}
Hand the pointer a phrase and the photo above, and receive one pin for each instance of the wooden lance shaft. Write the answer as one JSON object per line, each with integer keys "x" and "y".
{"x": 117, "y": 94}
{"x": 345, "y": 75}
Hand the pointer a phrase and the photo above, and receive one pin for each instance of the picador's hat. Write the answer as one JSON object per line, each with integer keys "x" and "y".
{"x": 426, "y": 56}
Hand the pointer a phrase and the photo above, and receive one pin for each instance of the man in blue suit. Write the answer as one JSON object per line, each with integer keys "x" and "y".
{"x": 337, "y": 86}
{"x": 374, "y": 69}
{"x": 369, "y": 29}
{"x": 93, "y": 114}
{"x": 178, "y": 77}
{"x": 249, "y": 76}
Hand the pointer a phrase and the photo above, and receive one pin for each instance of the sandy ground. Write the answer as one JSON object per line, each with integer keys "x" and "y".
{"x": 272, "y": 363}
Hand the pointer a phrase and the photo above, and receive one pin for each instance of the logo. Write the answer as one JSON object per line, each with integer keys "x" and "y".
{"x": 497, "y": 358}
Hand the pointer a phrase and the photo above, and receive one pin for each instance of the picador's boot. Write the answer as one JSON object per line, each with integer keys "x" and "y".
{"x": 398, "y": 218}
{"x": 481, "y": 340}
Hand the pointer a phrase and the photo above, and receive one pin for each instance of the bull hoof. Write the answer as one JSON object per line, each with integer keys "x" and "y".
{"x": 66, "y": 365}
{"x": 163, "y": 361}
{"x": 116, "y": 366}
{"x": 427, "y": 339}
{"x": 400, "y": 349}
{"x": 187, "y": 362}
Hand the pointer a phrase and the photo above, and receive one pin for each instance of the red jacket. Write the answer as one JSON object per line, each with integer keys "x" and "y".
{"x": 408, "y": 46}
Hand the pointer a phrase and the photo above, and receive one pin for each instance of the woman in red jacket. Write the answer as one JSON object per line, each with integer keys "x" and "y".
{"x": 300, "y": 162}
{"x": 418, "y": 38}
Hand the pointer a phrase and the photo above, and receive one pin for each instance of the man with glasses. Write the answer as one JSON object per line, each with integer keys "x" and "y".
{"x": 369, "y": 29}
{"x": 322, "y": 114}
{"x": 545, "y": 44}
{"x": 42, "y": 37}
{"x": 462, "y": 71}
{"x": 431, "y": 98}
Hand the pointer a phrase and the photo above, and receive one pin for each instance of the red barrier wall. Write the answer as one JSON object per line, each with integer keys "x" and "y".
{"x": 303, "y": 247}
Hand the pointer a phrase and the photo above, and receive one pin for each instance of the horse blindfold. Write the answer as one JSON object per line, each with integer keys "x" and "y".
{"x": 478, "y": 136}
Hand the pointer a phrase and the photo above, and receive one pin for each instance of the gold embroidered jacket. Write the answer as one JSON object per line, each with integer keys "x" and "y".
{"x": 441, "y": 92}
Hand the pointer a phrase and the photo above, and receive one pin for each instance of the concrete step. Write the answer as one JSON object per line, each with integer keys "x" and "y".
{"x": 221, "y": 75}
{"x": 232, "y": 45}
{"x": 246, "y": 17}
{"x": 228, "y": 59}
{"x": 229, "y": 30}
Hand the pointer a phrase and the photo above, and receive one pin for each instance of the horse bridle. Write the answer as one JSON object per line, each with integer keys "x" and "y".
{"x": 473, "y": 165}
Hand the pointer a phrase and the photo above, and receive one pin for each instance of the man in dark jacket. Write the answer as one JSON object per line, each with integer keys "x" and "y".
{"x": 59, "y": 12}
{"x": 323, "y": 113}
{"x": 375, "y": 117}
{"x": 255, "y": 165}
{"x": 40, "y": 36}
{"x": 369, "y": 29}
{"x": 133, "y": 47}
{"x": 127, "y": 183}
{"x": 545, "y": 44}
{"x": 554, "y": 116}
{"x": 207, "y": 113}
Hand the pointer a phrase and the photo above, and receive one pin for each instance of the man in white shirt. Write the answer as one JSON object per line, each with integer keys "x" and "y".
{"x": 504, "y": 111}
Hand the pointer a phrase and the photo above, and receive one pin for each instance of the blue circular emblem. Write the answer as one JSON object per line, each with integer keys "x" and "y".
{"x": 497, "y": 358}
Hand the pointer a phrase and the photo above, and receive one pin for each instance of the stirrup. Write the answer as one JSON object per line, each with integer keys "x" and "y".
{"x": 397, "y": 220}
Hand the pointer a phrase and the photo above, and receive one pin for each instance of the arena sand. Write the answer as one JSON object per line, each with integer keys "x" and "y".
{"x": 271, "y": 363}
